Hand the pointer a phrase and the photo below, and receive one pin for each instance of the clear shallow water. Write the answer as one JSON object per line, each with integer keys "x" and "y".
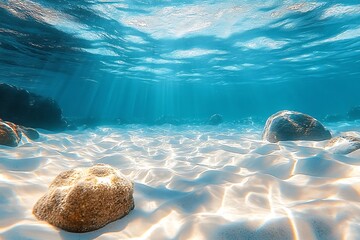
{"x": 182, "y": 61}
{"x": 141, "y": 60}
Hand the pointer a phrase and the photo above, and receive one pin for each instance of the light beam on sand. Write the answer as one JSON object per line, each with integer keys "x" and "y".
{"x": 172, "y": 222}
{"x": 292, "y": 224}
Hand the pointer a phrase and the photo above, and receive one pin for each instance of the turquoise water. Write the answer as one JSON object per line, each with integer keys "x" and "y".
{"x": 140, "y": 61}
{"x": 149, "y": 62}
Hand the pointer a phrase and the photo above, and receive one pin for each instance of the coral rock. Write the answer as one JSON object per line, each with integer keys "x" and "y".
{"x": 86, "y": 199}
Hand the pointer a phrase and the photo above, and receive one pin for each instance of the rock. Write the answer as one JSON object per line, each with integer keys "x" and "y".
{"x": 30, "y": 132}
{"x": 10, "y": 134}
{"x": 28, "y": 109}
{"x": 215, "y": 119}
{"x": 333, "y": 118}
{"x": 344, "y": 144}
{"x": 354, "y": 113}
{"x": 291, "y": 126}
{"x": 86, "y": 199}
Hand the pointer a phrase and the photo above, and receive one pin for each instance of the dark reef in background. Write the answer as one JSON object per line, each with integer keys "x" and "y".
{"x": 28, "y": 109}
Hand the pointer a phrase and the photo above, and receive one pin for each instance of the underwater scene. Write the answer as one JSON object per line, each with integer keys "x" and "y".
{"x": 187, "y": 119}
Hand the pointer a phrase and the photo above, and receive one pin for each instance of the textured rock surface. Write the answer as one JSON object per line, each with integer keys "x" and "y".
{"x": 343, "y": 144}
{"x": 86, "y": 199}
{"x": 10, "y": 134}
{"x": 291, "y": 126}
{"x": 215, "y": 119}
{"x": 24, "y": 108}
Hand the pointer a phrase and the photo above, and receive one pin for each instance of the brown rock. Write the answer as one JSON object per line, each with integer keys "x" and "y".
{"x": 86, "y": 199}
{"x": 10, "y": 134}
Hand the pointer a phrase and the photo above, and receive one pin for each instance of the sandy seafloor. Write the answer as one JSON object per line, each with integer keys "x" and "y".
{"x": 192, "y": 182}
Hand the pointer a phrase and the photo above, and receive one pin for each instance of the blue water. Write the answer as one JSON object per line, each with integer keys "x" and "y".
{"x": 186, "y": 60}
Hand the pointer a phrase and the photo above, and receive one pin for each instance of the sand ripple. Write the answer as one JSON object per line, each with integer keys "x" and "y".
{"x": 192, "y": 182}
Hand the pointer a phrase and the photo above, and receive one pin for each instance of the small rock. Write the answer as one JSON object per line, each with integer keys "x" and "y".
{"x": 291, "y": 126}
{"x": 86, "y": 199}
{"x": 344, "y": 144}
{"x": 10, "y": 134}
{"x": 354, "y": 113}
{"x": 30, "y": 132}
{"x": 215, "y": 119}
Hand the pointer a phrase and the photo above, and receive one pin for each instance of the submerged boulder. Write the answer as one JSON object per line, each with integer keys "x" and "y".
{"x": 290, "y": 126}
{"x": 354, "y": 113}
{"x": 215, "y": 119}
{"x": 10, "y": 134}
{"x": 343, "y": 144}
{"x": 86, "y": 199}
{"x": 28, "y": 109}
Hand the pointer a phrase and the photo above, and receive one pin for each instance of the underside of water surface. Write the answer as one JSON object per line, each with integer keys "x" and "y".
{"x": 143, "y": 60}
{"x": 177, "y": 96}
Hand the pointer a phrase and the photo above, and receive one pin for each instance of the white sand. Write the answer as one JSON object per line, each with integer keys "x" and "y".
{"x": 192, "y": 182}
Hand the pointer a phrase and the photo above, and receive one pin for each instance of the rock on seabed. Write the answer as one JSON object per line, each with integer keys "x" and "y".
{"x": 344, "y": 144}
{"x": 10, "y": 134}
{"x": 291, "y": 126}
{"x": 86, "y": 199}
{"x": 215, "y": 119}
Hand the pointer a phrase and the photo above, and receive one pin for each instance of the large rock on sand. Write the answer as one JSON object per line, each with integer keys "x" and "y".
{"x": 28, "y": 109}
{"x": 86, "y": 199}
{"x": 10, "y": 134}
{"x": 290, "y": 126}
